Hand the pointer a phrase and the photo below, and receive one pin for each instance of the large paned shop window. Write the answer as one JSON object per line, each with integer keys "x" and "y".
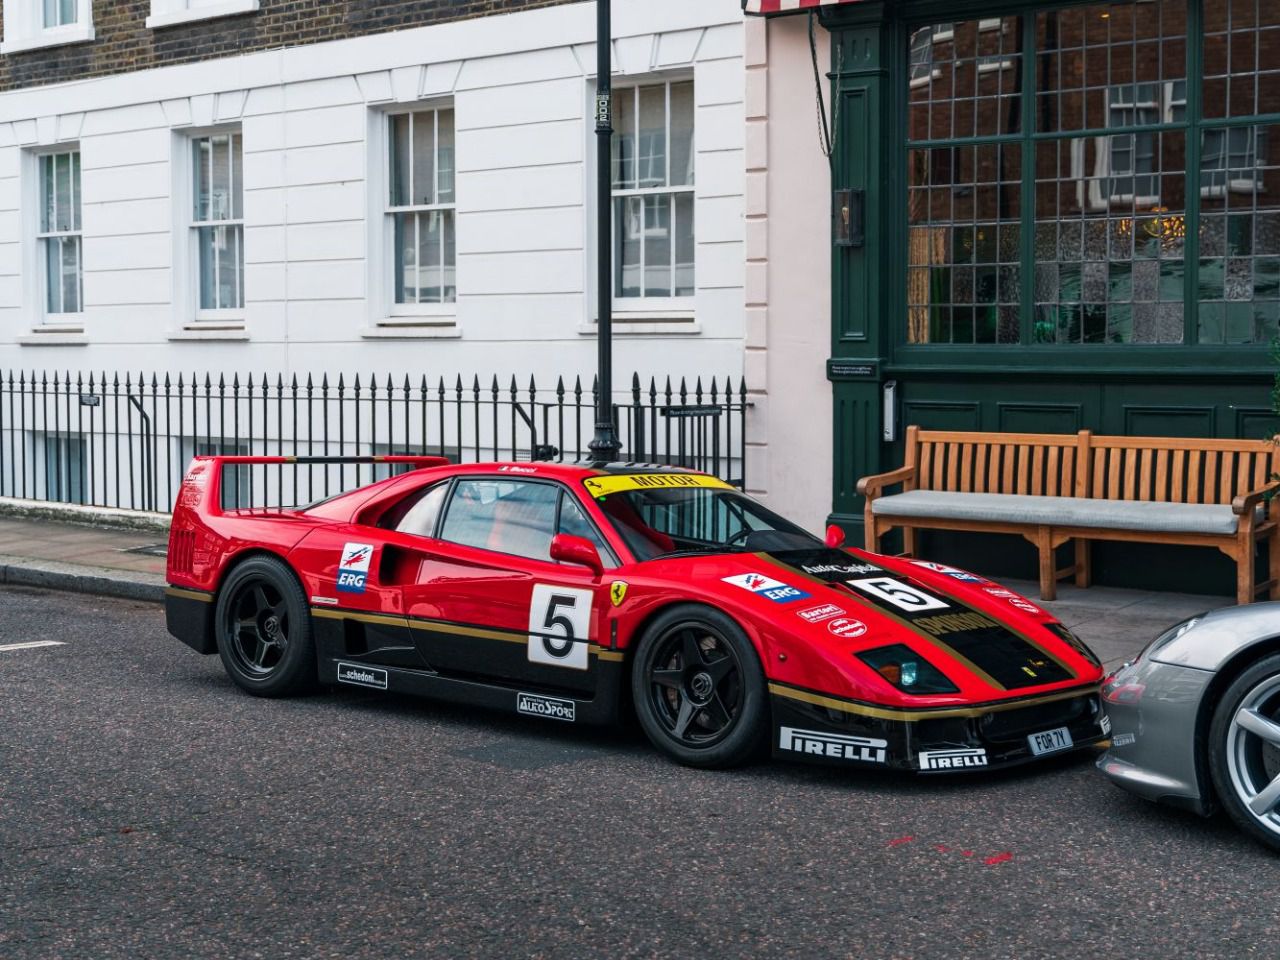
{"x": 421, "y": 210}
{"x": 1127, "y": 200}
{"x": 217, "y": 225}
{"x": 653, "y": 173}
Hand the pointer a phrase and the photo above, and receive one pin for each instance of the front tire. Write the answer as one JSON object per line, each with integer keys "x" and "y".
{"x": 1244, "y": 751}
{"x": 699, "y": 688}
{"x": 264, "y": 630}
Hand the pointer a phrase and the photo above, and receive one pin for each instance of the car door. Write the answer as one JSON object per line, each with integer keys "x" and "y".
{"x": 489, "y": 603}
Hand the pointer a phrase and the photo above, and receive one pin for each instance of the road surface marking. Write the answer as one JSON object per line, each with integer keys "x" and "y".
{"x": 31, "y": 645}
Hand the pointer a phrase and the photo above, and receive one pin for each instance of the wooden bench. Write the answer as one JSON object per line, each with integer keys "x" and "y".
{"x": 1058, "y": 488}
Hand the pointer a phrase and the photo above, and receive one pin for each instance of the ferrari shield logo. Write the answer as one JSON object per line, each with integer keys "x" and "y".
{"x": 618, "y": 592}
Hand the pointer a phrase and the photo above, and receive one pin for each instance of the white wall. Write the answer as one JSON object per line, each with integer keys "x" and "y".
{"x": 788, "y": 287}
{"x": 521, "y": 86}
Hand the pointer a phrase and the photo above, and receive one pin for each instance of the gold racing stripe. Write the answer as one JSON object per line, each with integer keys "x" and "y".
{"x": 889, "y": 713}
{"x": 955, "y": 654}
{"x": 444, "y": 626}
{"x": 184, "y": 594}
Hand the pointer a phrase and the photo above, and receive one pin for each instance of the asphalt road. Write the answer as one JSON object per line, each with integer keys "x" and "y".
{"x": 148, "y": 809}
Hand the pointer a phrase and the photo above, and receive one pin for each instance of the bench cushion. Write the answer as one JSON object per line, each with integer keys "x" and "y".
{"x": 1060, "y": 511}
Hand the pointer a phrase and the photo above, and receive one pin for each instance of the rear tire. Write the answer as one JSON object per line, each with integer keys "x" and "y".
{"x": 1244, "y": 751}
{"x": 263, "y": 629}
{"x": 699, "y": 689}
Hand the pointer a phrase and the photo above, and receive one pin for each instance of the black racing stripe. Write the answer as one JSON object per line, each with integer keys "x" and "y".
{"x": 1007, "y": 657}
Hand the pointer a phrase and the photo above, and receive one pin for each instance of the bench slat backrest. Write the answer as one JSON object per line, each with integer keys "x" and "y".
{"x": 1025, "y": 463}
{"x": 1179, "y": 470}
{"x": 1164, "y": 469}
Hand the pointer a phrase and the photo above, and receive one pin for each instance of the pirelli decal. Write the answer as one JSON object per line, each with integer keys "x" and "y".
{"x": 602, "y": 486}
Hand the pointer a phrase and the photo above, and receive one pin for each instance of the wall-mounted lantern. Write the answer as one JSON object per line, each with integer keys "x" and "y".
{"x": 848, "y": 218}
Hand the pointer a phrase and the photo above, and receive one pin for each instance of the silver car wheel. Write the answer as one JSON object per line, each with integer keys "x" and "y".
{"x": 1253, "y": 753}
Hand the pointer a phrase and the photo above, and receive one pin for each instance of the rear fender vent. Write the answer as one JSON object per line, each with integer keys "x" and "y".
{"x": 182, "y": 549}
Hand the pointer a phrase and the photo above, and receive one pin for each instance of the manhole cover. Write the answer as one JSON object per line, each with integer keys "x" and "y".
{"x": 150, "y": 550}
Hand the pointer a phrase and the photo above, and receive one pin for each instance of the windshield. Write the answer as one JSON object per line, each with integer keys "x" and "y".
{"x": 701, "y": 519}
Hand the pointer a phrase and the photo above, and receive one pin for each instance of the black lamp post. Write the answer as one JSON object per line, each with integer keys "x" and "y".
{"x": 605, "y": 445}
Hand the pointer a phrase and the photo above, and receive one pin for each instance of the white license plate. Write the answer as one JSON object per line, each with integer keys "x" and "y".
{"x": 1051, "y": 741}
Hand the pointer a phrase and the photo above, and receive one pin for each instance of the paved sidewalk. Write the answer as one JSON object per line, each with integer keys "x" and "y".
{"x": 130, "y": 563}
{"x": 85, "y": 559}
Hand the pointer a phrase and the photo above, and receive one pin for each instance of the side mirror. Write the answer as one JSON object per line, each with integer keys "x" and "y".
{"x": 835, "y": 537}
{"x": 566, "y": 548}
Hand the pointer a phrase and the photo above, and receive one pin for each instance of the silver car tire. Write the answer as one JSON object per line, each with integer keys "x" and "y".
{"x": 1244, "y": 751}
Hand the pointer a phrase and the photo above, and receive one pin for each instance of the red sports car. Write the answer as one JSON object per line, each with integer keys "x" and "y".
{"x": 576, "y": 593}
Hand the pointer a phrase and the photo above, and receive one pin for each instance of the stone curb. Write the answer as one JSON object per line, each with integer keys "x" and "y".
{"x": 19, "y": 571}
{"x": 100, "y": 517}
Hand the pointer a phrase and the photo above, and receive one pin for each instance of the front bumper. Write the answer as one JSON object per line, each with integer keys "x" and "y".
{"x": 822, "y": 729}
{"x": 1153, "y": 709}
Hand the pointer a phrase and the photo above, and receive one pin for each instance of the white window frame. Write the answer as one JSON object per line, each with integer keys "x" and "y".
{"x": 386, "y": 317}
{"x": 186, "y": 257}
{"x": 24, "y": 27}
{"x": 642, "y": 308}
{"x": 36, "y": 280}
{"x": 168, "y": 13}
{"x": 1103, "y": 169}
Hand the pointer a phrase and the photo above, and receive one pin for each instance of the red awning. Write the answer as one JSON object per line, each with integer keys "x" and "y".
{"x": 769, "y": 7}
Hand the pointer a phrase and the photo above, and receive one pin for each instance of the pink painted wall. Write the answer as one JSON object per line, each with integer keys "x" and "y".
{"x": 788, "y": 283}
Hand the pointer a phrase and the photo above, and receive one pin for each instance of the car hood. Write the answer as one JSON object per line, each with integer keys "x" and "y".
{"x": 990, "y": 641}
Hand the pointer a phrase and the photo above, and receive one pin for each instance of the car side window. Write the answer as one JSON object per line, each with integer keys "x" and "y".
{"x": 417, "y": 513}
{"x": 509, "y": 516}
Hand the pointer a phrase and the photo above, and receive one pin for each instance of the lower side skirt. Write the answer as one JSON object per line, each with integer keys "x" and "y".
{"x": 600, "y": 710}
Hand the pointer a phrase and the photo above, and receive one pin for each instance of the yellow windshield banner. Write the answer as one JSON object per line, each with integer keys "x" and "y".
{"x": 619, "y": 483}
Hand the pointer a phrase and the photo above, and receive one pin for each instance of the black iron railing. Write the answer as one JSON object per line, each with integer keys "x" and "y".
{"x": 124, "y": 440}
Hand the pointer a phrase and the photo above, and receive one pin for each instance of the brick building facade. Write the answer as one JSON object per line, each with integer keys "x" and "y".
{"x": 124, "y": 42}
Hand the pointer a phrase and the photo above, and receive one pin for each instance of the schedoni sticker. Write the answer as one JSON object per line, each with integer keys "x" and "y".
{"x": 362, "y": 676}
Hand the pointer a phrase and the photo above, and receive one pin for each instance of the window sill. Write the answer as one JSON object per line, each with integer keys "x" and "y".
{"x": 53, "y": 337}
{"x": 441, "y": 328}
{"x": 225, "y": 333}
{"x": 663, "y": 324}
{"x": 174, "y": 18}
{"x": 57, "y": 37}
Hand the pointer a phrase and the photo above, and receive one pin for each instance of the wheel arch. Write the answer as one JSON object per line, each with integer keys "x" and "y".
{"x": 627, "y": 705}
{"x": 1237, "y": 664}
{"x": 251, "y": 553}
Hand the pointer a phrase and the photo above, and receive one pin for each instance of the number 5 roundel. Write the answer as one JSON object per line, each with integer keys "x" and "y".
{"x": 559, "y": 626}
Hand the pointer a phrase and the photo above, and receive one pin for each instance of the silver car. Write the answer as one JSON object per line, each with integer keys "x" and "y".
{"x": 1195, "y": 719}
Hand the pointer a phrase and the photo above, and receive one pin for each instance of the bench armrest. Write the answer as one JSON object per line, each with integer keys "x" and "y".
{"x": 1247, "y": 501}
{"x": 870, "y": 487}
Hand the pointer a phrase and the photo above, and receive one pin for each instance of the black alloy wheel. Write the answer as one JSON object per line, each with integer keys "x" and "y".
{"x": 699, "y": 689}
{"x": 264, "y": 629}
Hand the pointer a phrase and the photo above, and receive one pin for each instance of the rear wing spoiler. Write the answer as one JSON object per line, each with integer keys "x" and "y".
{"x": 202, "y": 485}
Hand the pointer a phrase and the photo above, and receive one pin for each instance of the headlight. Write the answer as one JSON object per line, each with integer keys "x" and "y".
{"x": 1166, "y": 638}
{"x": 907, "y": 670}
